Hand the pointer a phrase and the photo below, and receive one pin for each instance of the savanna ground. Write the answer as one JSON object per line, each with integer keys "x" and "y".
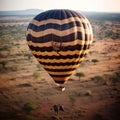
{"x": 27, "y": 92}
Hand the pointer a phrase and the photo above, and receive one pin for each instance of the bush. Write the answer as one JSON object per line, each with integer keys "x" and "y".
{"x": 28, "y": 107}
{"x": 115, "y": 77}
{"x": 88, "y": 93}
{"x": 97, "y": 78}
{"x": 95, "y": 61}
{"x": 3, "y": 63}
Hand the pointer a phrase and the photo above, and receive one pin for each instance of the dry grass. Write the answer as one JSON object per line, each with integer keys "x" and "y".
{"x": 23, "y": 81}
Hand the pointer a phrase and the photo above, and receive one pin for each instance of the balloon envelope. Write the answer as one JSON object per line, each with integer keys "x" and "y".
{"x": 59, "y": 39}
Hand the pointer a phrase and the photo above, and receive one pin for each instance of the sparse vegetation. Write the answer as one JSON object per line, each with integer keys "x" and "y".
{"x": 30, "y": 117}
{"x": 5, "y": 48}
{"x": 36, "y": 75}
{"x": 15, "y": 32}
{"x": 3, "y": 63}
{"x": 38, "y": 66}
{"x": 78, "y": 94}
{"x": 14, "y": 67}
{"x": 28, "y": 55}
{"x": 72, "y": 99}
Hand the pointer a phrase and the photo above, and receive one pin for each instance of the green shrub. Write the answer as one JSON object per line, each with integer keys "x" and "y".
{"x": 36, "y": 75}
{"x": 35, "y": 89}
{"x": 28, "y": 107}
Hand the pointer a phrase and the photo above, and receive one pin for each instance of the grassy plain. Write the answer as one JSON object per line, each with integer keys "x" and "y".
{"x": 27, "y": 92}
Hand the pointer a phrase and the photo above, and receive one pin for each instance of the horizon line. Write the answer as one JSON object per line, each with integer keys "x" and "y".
{"x": 59, "y": 8}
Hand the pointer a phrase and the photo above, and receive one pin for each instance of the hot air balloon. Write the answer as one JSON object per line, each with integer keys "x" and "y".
{"x": 59, "y": 39}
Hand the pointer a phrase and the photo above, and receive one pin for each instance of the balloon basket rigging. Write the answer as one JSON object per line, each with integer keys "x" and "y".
{"x": 60, "y": 88}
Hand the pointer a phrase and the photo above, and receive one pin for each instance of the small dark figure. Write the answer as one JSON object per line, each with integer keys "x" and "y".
{"x": 61, "y": 108}
{"x": 56, "y": 109}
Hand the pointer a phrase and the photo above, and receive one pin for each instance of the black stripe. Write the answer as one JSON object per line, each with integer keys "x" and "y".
{"x": 67, "y": 48}
{"x": 60, "y": 70}
{"x": 50, "y": 37}
{"x": 56, "y": 14}
{"x": 60, "y": 82}
{"x": 82, "y": 55}
{"x": 84, "y": 25}
{"x": 59, "y": 57}
{"x": 54, "y": 26}
{"x": 60, "y": 63}
{"x": 66, "y": 75}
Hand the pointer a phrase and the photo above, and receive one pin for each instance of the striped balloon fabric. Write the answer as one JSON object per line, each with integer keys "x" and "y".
{"x": 59, "y": 39}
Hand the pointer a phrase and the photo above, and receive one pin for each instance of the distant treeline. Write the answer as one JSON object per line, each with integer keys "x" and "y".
{"x": 105, "y": 16}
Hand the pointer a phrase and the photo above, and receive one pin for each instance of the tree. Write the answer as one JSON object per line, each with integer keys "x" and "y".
{"x": 95, "y": 61}
{"x": 80, "y": 74}
{"x": 3, "y": 63}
